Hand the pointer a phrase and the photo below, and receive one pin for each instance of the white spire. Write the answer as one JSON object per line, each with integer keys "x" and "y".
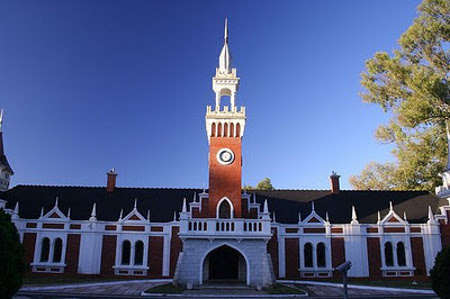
{"x": 184, "y": 208}
{"x": 174, "y": 215}
{"x": 42, "y": 212}
{"x": 68, "y": 213}
{"x": 16, "y": 209}
{"x": 121, "y": 214}
{"x": 94, "y": 213}
{"x": 404, "y": 216}
{"x": 431, "y": 219}
{"x": 379, "y": 217}
{"x": 194, "y": 198}
{"x": 327, "y": 217}
{"x": 391, "y": 207}
{"x": 274, "y": 219}
{"x": 225, "y": 57}
{"x": 354, "y": 217}
{"x": 1, "y": 119}
{"x": 299, "y": 217}
{"x": 135, "y": 203}
{"x": 266, "y": 207}
{"x": 56, "y": 201}
{"x": 312, "y": 206}
{"x": 148, "y": 215}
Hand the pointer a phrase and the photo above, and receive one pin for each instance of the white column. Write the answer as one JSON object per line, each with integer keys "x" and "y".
{"x": 166, "y": 256}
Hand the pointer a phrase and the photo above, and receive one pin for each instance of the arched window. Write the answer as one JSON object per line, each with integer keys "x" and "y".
{"x": 57, "y": 251}
{"x": 139, "y": 253}
{"x": 225, "y": 130}
{"x": 308, "y": 252}
{"x": 238, "y": 130}
{"x": 219, "y": 130}
{"x": 213, "y": 131}
{"x": 321, "y": 262}
{"x": 401, "y": 258}
{"x": 225, "y": 210}
{"x": 388, "y": 254}
{"x": 45, "y": 250}
{"x": 232, "y": 130}
{"x": 126, "y": 249}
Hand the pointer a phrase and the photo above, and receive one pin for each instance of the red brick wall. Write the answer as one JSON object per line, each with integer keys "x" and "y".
{"x": 72, "y": 253}
{"x": 176, "y": 247}
{"x": 445, "y": 234}
{"x": 108, "y": 255}
{"x": 29, "y": 244}
{"x": 225, "y": 180}
{"x": 418, "y": 255}
{"x": 292, "y": 258}
{"x": 337, "y": 251}
{"x": 155, "y": 256}
{"x": 373, "y": 252}
{"x": 272, "y": 249}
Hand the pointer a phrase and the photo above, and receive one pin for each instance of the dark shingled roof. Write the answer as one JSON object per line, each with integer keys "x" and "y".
{"x": 163, "y": 202}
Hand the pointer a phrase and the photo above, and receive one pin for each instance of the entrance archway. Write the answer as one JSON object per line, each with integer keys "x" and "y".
{"x": 225, "y": 264}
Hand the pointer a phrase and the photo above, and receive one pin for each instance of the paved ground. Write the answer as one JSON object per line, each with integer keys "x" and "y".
{"x": 133, "y": 289}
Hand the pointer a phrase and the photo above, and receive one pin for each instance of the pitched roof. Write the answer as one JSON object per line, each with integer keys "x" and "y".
{"x": 163, "y": 202}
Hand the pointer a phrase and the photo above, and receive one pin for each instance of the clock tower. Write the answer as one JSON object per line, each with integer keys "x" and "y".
{"x": 225, "y": 126}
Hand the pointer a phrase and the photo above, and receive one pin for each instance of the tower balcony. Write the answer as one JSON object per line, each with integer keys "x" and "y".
{"x": 238, "y": 228}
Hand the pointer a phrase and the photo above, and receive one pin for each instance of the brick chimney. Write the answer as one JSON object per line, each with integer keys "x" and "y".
{"x": 334, "y": 178}
{"x": 111, "y": 182}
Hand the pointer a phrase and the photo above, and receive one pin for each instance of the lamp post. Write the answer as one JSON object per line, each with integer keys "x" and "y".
{"x": 343, "y": 268}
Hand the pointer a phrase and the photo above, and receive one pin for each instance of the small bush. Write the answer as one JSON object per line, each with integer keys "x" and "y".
{"x": 440, "y": 274}
{"x": 12, "y": 266}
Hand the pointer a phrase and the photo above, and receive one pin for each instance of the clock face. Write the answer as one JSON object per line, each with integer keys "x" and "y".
{"x": 225, "y": 156}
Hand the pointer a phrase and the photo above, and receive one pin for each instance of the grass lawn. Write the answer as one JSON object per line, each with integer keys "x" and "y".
{"x": 165, "y": 289}
{"x": 391, "y": 283}
{"x": 284, "y": 289}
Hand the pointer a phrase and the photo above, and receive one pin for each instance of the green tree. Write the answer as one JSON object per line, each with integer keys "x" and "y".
{"x": 264, "y": 184}
{"x": 440, "y": 274}
{"x": 12, "y": 266}
{"x": 413, "y": 86}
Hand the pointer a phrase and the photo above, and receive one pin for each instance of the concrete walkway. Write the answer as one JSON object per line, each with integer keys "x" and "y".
{"x": 134, "y": 289}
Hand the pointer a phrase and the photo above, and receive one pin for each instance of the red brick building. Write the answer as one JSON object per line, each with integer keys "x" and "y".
{"x": 195, "y": 235}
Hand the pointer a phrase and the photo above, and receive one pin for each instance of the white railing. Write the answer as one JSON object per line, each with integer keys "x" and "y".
{"x": 223, "y": 227}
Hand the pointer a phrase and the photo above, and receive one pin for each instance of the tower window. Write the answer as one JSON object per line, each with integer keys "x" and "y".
{"x": 401, "y": 257}
{"x": 321, "y": 262}
{"x": 225, "y": 210}
{"x": 139, "y": 253}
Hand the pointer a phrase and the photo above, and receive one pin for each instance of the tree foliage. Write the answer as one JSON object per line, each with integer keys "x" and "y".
{"x": 413, "y": 86}
{"x": 440, "y": 274}
{"x": 12, "y": 266}
{"x": 264, "y": 184}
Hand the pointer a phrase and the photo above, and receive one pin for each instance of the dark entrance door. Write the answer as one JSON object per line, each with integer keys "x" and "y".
{"x": 223, "y": 263}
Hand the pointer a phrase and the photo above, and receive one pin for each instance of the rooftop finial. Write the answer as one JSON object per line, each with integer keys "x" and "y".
{"x": 226, "y": 30}
{"x": 1, "y": 119}
{"x": 354, "y": 216}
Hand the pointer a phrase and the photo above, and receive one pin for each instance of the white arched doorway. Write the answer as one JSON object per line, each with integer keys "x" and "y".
{"x": 225, "y": 263}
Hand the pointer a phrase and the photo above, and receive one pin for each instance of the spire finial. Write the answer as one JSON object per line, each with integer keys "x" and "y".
{"x": 299, "y": 217}
{"x": 121, "y": 214}
{"x": 266, "y": 207}
{"x": 312, "y": 206}
{"x": 1, "y": 119}
{"x": 94, "y": 212}
{"x": 354, "y": 217}
{"x": 42, "y": 212}
{"x": 404, "y": 216}
{"x": 68, "y": 212}
{"x": 148, "y": 215}
{"x": 184, "y": 208}
{"x": 379, "y": 217}
{"x": 327, "y": 217}
{"x": 431, "y": 219}
{"x": 16, "y": 209}
{"x": 274, "y": 219}
{"x": 174, "y": 215}
{"x": 56, "y": 201}
{"x": 391, "y": 207}
{"x": 226, "y": 30}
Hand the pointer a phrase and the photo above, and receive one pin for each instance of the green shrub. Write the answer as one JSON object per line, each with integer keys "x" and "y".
{"x": 440, "y": 274}
{"x": 12, "y": 266}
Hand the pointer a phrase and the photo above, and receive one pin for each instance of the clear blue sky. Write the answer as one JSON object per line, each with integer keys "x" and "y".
{"x": 90, "y": 85}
